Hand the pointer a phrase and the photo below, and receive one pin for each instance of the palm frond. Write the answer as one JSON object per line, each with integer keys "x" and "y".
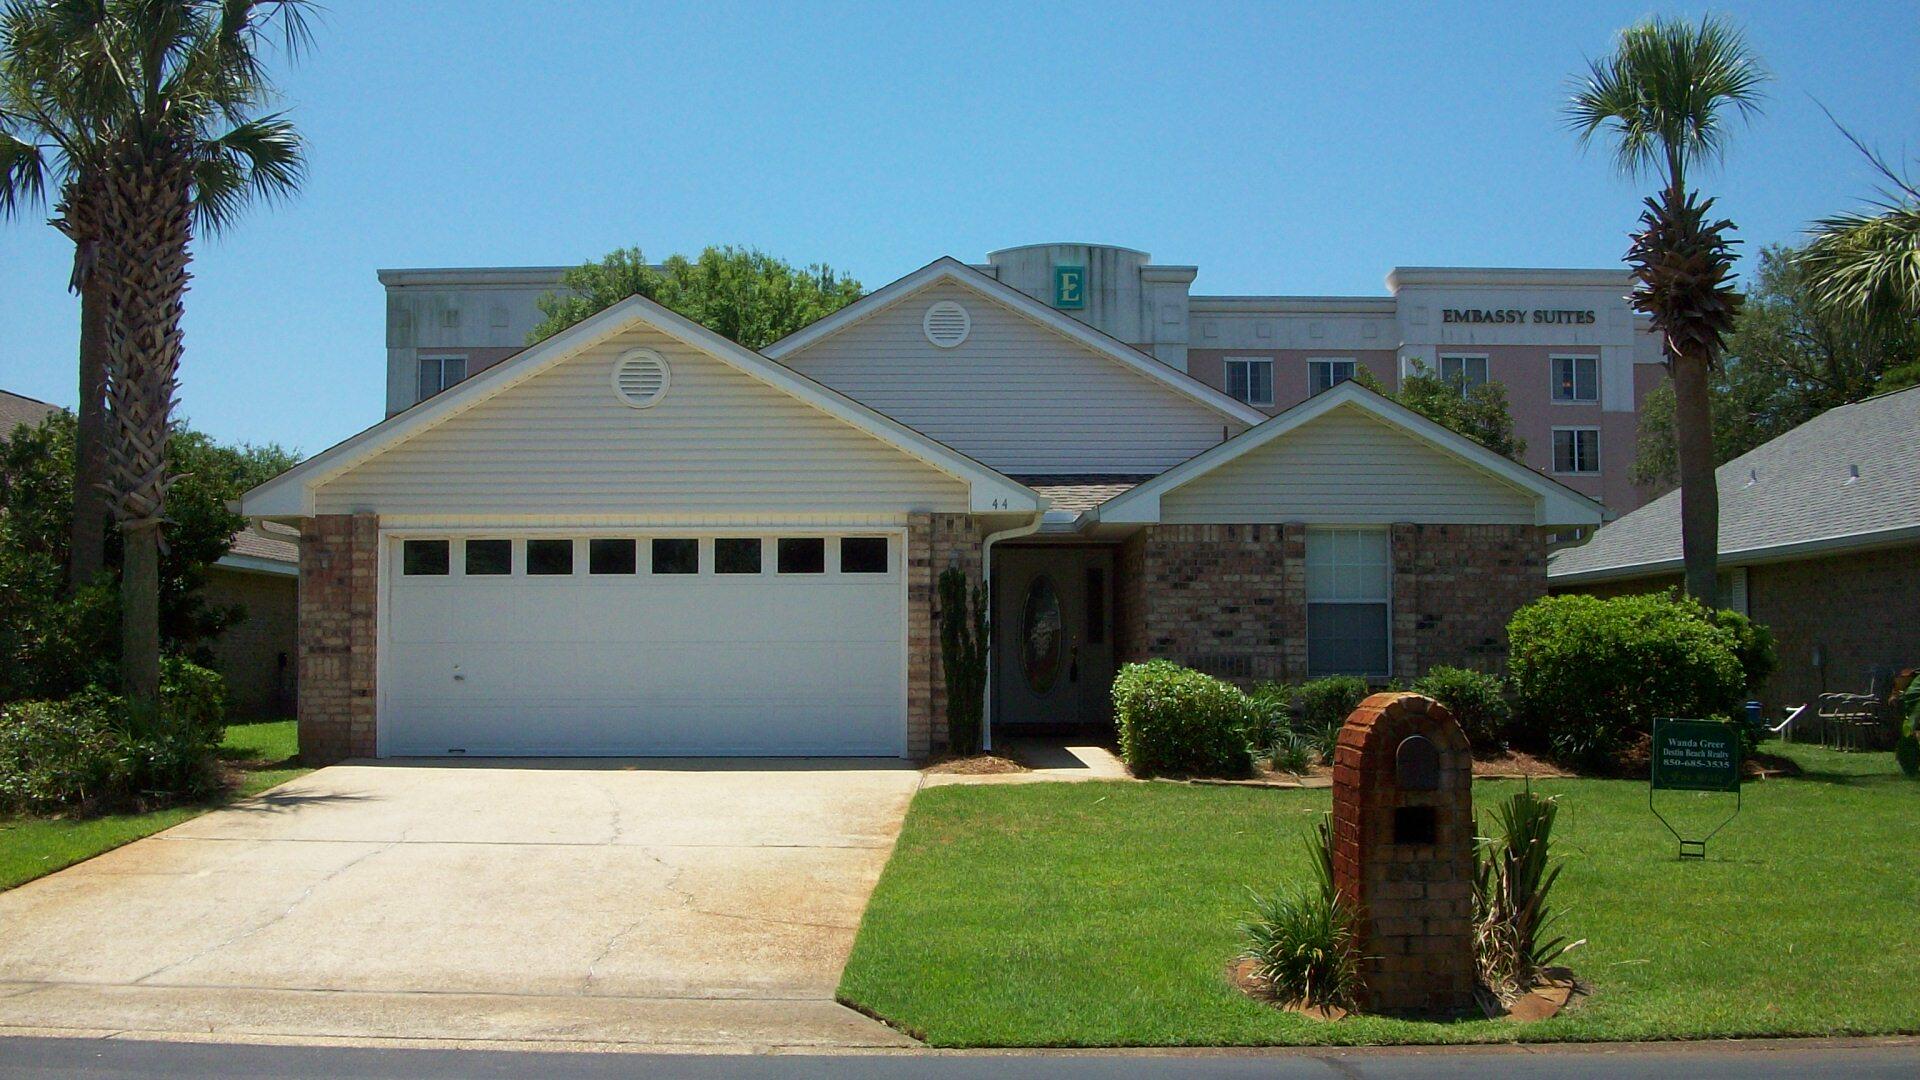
{"x": 1866, "y": 266}
{"x": 262, "y": 159}
{"x": 23, "y": 175}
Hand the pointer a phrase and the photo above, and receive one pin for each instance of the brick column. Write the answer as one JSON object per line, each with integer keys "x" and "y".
{"x": 1403, "y": 851}
{"x": 934, "y": 542}
{"x": 339, "y": 604}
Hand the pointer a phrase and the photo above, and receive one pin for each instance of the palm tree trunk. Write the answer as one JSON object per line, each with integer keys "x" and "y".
{"x": 87, "y": 541}
{"x": 1699, "y": 491}
{"x": 144, "y": 273}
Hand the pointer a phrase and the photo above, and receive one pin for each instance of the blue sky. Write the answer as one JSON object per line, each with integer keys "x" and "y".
{"x": 1281, "y": 151}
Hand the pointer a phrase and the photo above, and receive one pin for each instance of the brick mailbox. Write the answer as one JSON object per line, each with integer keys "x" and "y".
{"x": 1403, "y": 851}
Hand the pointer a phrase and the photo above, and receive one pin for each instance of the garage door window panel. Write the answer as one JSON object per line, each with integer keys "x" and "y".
{"x": 549, "y": 558}
{"x": 737, "y": 555}
{"x": 863, "y": 555}
{"x": 612, "y": 556}
{"x": 489, "y": 558}
{"x": 801, "y": 554}
{"x": 676, "y": 555}
{"x": 426, "y": 558}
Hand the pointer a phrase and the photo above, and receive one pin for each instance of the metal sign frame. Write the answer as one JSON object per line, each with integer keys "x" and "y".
{"x": 1667, "y": 780}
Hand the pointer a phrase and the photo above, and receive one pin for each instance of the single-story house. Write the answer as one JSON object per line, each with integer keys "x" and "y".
{"x": 1819, "y": 541}
{"x": 259, "y": 574}
{"x": 639, "y": 538}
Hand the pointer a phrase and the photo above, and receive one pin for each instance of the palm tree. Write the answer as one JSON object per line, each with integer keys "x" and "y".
{"x": 145, "y": 115}
{"x": 1665, "y": 94}
{"x": 1865, "y": 265}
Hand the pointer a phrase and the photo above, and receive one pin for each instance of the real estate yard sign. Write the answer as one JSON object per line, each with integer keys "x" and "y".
{"x": 1695, "y": 755}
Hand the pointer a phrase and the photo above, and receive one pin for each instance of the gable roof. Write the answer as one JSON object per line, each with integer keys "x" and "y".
{"x": 948, "y": 269}
{"x": 291, "y": 493}
{"x": 1847, "y": 479}
{"x": 1557, "y": 504}
{"x": 17, "y": 409}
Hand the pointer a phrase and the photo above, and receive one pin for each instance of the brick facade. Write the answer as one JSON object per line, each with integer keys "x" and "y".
{"x": 1455, "y": 587}
{"x": 339, "y": 605}
{"x": 934, "y": 542}
{"x": 1232, "y": 599}
{"x": 1413, "y": 888}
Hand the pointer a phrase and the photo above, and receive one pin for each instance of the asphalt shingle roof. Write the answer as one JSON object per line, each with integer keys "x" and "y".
{"x": 1075, "y": 493}
{"x": 16, "y": 410}
{"x": 268, "y": 540}
{"x": 1849, "y": 472}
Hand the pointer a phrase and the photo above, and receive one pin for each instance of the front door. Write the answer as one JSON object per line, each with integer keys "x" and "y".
{"x": 1053, "y": 637}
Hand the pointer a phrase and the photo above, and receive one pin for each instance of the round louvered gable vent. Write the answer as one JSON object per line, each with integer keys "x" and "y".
{"x": 640, "y": 378}
{"x": 946, "y": 324}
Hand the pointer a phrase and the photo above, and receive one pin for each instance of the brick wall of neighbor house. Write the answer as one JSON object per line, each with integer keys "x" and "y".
{"x": 1227, "y": 599}
{"x": 256, "y": 656}
{"x": 339, "y": 593}
{"x": 1232, "y": 599}
{"x": 934, "y": 542}
{"x": 1455, "y": 587}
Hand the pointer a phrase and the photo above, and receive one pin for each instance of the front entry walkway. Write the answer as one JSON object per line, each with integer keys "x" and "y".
{"x": 648, "y": 903}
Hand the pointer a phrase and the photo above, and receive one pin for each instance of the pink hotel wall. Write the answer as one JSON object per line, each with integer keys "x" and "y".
{"x": 1527, "y": 373}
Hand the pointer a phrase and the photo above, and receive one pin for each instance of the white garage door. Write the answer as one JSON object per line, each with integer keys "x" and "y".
{"x": 644, "y": 645}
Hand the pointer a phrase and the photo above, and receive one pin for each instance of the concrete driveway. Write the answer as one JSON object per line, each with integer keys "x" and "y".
{"x": 671, "y": 904}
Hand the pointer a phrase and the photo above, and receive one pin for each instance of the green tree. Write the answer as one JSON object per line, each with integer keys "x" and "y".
{"x": 1664, "y": 95}
{"x": 145, "y": 115}
{"x": 1481, "y": 413}
{"x": 1789, "y": 358}
{"x": 743, "y": 294}
{"x": 52, "y": 643}
{"x": 50, "y": 133}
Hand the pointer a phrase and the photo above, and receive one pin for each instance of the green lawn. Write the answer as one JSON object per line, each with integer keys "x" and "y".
{"x": 34, "y": 847}
{"x": 1104, "y": 913}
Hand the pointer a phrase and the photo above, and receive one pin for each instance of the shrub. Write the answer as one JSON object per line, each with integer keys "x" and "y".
{"x": 1513, "y": 874}
{"x": 1293, "y": 752}
{"x": 1329, "y": 701}
{"x": 1304, "y": 942}
{"x": 1477, "y": 701}
{"x": 1176, "y": 720}
{"x": 1906, "y": 751}
{"x": 1753, "y": 647}
{"x": 1590, "y": 674}
{"x": 1270, "y": 715}
{"x": 84, "y": 753}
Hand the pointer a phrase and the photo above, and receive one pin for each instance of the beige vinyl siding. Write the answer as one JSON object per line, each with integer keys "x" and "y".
{"x": 1349, "y": 468}
{"x": 1015, "y": 395}
{"x": 720, "y": 442}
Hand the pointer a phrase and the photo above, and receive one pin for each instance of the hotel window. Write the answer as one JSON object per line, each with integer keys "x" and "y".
{"x": 1324, "y": 375}
{"x": 1576, "y": 450}
{"x": 1469, "y": 371}
{"x": 1250, "y": 379}
{"x": 1349, "y": 584}
{"x": 439, "y": 372}
{"x": 1576, "y": 378}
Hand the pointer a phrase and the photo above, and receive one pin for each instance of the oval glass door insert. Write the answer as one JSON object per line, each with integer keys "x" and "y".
{"x": 1040, "y": 635}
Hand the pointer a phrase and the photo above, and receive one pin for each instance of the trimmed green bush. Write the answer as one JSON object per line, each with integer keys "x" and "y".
{"x": 1590, "y": 675}
{"x": 1753, "y": 647}
{"x": 1328, "y": 702}
{"x": 1176, "y": 720}
{"x": 1477, "y": 700}
{"x": 1906, "y": 751}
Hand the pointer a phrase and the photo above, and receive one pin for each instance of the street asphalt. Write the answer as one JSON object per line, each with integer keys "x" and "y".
{"x": 115, "y": 1058}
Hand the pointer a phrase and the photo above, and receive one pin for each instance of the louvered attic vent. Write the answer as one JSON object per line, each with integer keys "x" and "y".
{"x": 640, "y": 378}
{"x": 946, "y": 324}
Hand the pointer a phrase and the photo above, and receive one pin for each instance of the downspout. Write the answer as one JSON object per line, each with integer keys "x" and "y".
{"x": 986, "y": 579}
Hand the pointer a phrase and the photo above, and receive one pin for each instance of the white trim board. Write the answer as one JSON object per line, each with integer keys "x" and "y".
{"x": 1556, "y": 504}
{"x": 291, "y": 494}
{"x": 948, "y": 269}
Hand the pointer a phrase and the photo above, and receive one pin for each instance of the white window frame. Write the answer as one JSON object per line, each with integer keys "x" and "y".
{"x": 1247, "y": 362}
{"x": 1576, "y": 429}
{"x": 1465, "y": 360}
{"x": 1385, "y": 602}
{"x": 1553, "y": 378}
{"x": 1315, "y": 362}
{"x": 440, "y": 362}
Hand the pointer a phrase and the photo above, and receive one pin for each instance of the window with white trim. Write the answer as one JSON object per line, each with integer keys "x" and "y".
{"x": 1326, "y": 373}
{"x": 1576, "y": 450}
{"x": 1576, "y": 378}
{"x": 1467, "y": 370}
{"x": 1349, "y": 590}
{"x": 439, "y": 372}
{"x": 1250, "y": 379}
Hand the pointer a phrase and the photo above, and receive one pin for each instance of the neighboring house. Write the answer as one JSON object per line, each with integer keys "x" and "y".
{"x": 259, "y": 574}
{"x": 1575, "y": 360}
{"x": 1819, "y": 541}
{"x": 638, "y": 537}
